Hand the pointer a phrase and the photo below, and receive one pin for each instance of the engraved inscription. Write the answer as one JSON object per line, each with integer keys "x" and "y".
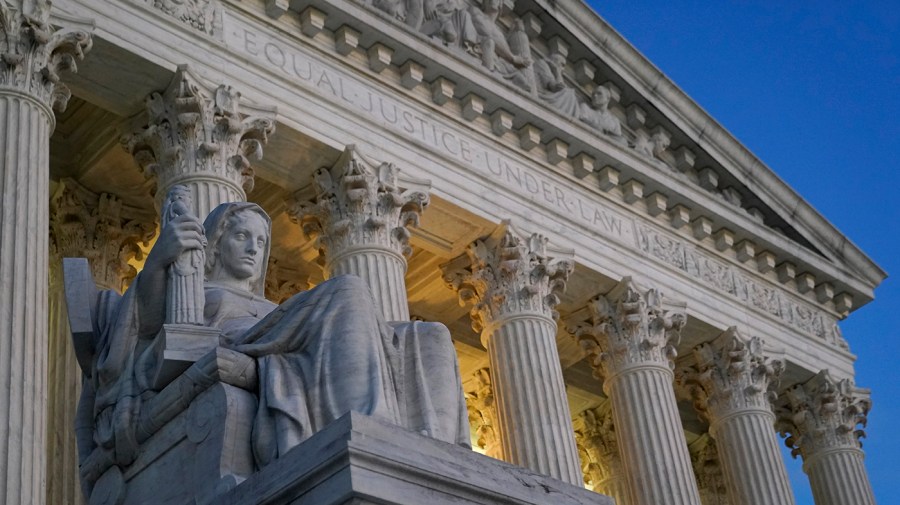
{"x": 395, "y": 115}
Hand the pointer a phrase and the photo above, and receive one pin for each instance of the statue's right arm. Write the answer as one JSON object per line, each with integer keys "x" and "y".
{"x": 181, "y": 234}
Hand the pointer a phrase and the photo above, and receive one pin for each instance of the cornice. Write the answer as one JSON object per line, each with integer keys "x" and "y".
{"x": 608, "y": 45}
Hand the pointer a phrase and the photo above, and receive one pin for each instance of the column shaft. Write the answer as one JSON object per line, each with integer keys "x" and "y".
{"x": 615, "y": 487}
{"x": 383, "y": 270}
{"x": 751, "y": 461}
{"x": 839, "y": 478}
{"x": 651, "y": 437}
{"x": 25, "y": 128}
{"x": 64, "y": 379}
{"x": 536, "y": 427}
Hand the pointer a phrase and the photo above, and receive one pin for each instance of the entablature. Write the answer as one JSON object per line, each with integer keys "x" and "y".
{"x": 479, "y": 161}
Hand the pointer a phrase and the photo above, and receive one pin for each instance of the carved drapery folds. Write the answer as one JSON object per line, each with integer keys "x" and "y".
{"x": 201, "y": 136}
{"x": 101, "y": 228}
{"x": 824, "y": 420}
{"x": 631, "y": 327}
{"x": 33, "y": 53}
{"x": 109, "y": 234}
{"x": 358, "y": 213}
{"x": 483, "y": 413}
{"x": 202, "y": 15}
{"x": 599, "y": 451}
{"x": 507, "y": 274}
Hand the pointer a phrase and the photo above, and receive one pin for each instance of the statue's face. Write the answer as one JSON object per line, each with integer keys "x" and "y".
{"x": 242, "y": 248}
{"x": 601, "y": 97}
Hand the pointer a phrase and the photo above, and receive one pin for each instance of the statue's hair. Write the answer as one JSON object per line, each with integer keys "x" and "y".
{"x": 222, "y": 219}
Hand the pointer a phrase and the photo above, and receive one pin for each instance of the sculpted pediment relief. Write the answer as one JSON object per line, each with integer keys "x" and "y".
{"x": 599, "y": 111}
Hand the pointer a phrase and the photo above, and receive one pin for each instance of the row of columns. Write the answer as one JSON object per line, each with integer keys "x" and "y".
{"x": 358, "y": 211}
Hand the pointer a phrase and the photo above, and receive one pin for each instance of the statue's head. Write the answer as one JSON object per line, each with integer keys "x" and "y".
{"x": 600, "y": 97}
{"x": 239, "y": 241}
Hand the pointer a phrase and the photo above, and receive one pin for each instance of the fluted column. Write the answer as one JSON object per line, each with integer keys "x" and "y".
{"x": 483, "y": 414}
{"x": 599, "y": 449}
{"x": 514, "y": 282}
{"x": 708, "y": 470}
{"x": 358, "y": 213}
{"x": 630, "y": 346}
{"x": 731, "y": 385}
{"x": 109, "y": 234}
{"x": 33, "y": 54}
{"x": 201, "y": 136}
{"x": 823, "y": 417}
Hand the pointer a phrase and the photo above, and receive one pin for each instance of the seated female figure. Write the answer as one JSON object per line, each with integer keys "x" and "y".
{"x": 320, "y": 354}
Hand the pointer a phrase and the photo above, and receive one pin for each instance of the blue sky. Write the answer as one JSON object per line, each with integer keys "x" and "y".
{"x": 813, "y": 88}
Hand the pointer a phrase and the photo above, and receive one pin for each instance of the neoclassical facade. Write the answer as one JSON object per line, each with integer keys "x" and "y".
{"x": 637, "y": 302}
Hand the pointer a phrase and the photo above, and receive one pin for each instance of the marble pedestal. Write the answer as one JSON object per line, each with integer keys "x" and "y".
{"x": 361, "y": 460}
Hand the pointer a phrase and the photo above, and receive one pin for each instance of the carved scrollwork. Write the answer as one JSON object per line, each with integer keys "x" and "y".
{"x": 102, "y": 229}
{"x": 631, "y": 326}
{"x": 509, "y": 273}
{"x": 598, "y": 447}
{"x": 483, "y": 413}
{"x": 195, "y": 128}
{"x": 732, "y": 374}
{"x": 33, "y": 53}
{"x": 358, "y": 203}
{"x": 823, "y": 414}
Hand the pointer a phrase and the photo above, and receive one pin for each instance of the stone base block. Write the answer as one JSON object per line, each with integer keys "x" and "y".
{"x": 361, "y": 460}
{"x": 180, "y": 346}
{"x": 201, "y": 453}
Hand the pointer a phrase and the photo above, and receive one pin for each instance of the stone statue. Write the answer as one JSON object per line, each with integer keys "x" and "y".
{"x": 596, "y": 114}
{"x": 509, "y": 58}
{"x": 319, "y": 355}
{"x": 450, "y": 21}
{"x": 551, "y": 86}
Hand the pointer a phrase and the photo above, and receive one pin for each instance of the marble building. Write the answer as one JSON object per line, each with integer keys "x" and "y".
{"x": 637, "y": 303}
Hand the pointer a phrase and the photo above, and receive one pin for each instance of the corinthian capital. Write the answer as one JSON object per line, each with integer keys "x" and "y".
{"x": 708, "y": 470}
{"x": 598, "y": 447}
{"x": 508, "y": 273}
{"x": 483, "y": 413}
{"x": 732, "y": 374}
{"x": 100, "y": 228}
{"x": 33, "y": 52}
{"x": 824, "y": 414}
{"x": 358, "y": 203}
{"x": 631, "y": 326}
{"x": 196, "y": 129}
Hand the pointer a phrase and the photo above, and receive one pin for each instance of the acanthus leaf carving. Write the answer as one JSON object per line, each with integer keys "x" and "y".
{"x": 598, "y": 447}
{"x": 33, "y": 53}
{"x": 195, "y": 129}
{"x": 102, "y": 229}
{"x": 708, "y": 470}
{"x": 483, "y": 413}
{"x": 732, "y": 374}
{"x": 631, "y": 326}
{"x": 822, "y": 414}
{"x": 358, "y": 203}
{"x": 509, "y": 273}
